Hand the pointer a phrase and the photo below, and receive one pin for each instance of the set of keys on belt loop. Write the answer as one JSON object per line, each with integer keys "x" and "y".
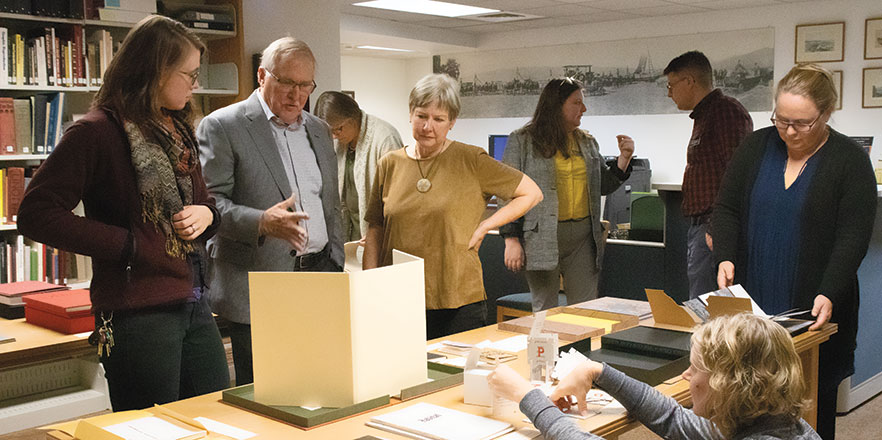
{"x": 103, "y": 337}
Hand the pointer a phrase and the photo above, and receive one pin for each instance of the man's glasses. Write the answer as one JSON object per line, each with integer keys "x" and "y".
{"x": 801, "y": 127}
{"x": 287, "y": 85}
{"x": 672, "y": 84}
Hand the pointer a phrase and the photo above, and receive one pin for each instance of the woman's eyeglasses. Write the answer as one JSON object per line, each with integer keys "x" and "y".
{"x": 194, "y": 76}
{"x": 800, "y": 127}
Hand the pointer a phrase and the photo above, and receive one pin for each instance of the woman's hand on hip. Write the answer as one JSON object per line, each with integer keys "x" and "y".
{"x": 192, "y": 221}
{"x": 822, "y": 310}
{"x": 478, "y": 236}
{"x": 725, "y": 274}
{"x": 514, "y": 254}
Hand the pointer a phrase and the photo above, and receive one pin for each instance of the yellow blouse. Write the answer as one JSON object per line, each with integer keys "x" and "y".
{"x": 572, "y": 183}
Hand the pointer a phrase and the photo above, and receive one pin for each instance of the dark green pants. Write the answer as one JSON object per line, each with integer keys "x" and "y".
{"x": 164, "y": 354}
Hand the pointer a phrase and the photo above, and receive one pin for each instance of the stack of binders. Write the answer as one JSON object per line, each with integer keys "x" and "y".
{"x": 218, "y": 21}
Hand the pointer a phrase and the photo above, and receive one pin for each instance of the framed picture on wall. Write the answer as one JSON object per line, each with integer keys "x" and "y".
{"x": 873, "y": 39}
{"x": 872, "y": 92}
{"x": 837, "y": 82}
{"x": 820, "y": 43}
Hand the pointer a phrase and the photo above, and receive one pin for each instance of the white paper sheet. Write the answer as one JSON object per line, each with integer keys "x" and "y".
{"x": 513, "y": 344}
{"x": 149, "y": 428}
{"x": 223, "y": 428}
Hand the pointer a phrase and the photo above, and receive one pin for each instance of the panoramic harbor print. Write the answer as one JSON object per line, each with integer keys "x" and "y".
{"x": 621, "y": 77}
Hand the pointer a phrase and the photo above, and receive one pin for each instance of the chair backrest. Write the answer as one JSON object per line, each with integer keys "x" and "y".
{"x": 647, "y": 213}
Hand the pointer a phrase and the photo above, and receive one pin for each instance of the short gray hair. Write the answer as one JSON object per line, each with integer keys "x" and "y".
{"x": 285, "y": 46}
{"x": 436, "y": 88}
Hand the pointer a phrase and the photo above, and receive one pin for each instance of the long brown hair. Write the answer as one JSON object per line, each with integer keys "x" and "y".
{"x": 152, "y": 48}
{"x": 547, "y": 126}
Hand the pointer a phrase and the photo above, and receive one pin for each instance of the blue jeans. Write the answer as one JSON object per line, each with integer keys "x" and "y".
{"x": 700, "y": 267}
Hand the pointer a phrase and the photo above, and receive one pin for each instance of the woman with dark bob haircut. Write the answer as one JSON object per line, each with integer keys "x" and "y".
{"x": 132, "y": 161}
{"x": 360, "y": 140}
{"x": 562, "y": 235}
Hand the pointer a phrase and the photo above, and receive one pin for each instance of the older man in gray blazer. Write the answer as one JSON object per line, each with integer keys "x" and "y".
{"x": 272, "y": 169}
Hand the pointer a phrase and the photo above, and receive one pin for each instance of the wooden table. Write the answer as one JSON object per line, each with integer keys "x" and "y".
{"x": 35, "y": 344}
{"x": 610, "y": 426}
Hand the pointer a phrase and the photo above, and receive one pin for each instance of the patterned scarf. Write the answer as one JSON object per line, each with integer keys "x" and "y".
{"x": 163, "y": 163}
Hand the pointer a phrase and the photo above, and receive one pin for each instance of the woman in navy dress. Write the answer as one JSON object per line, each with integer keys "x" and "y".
{"x": 793, "y": 221}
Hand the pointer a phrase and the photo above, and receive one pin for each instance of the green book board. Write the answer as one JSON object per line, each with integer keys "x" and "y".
{"x": 440, "y": 377}
{"x": 297, "y": 415}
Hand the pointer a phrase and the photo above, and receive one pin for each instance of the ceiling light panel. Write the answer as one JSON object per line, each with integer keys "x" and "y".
{"x": 427, "y": 7}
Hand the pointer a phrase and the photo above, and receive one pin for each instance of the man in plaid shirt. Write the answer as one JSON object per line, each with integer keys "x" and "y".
{"x": 720, "y": 124}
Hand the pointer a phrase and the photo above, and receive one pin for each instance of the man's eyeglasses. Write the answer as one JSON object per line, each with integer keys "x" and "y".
{"x": 194, "y": 76}
{"x": 801, "y": 127}
{"x": 287, "y": 85}
{"x": 672, "y": 84}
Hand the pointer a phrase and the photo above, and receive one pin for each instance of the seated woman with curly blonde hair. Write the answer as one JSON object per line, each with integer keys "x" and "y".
{"x": 745, "y": 379}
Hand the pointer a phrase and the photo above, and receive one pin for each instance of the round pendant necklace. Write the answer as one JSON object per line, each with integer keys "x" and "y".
{"x": 423, "y": 185}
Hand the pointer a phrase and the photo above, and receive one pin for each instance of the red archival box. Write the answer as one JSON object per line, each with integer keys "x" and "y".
{"x": 66, "y": 311}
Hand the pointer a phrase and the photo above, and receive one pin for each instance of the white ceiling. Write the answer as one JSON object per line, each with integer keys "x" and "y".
{"x": 553, "y": 13}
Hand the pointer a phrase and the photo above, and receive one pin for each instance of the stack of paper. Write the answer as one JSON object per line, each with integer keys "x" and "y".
{"x": 427, "y": 421}
{"x": 621, "y": 306}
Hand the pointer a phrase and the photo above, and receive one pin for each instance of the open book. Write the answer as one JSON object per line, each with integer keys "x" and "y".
{"x": 428, "y": 421}
{"x": 700, "y": 307}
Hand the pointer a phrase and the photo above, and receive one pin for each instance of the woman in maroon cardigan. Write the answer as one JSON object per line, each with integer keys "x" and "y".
{"x": 132, "y": 161}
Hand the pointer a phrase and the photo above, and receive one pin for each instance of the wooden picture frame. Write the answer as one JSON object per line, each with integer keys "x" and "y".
{"x": 872, "y": 88}
{"x": 837, "y": 83}
{"x": 873, "y": 39}
{"x": 820, "y": 43}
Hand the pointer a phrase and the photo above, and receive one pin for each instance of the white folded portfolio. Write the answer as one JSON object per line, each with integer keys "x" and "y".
{"x": 337, "y": 339}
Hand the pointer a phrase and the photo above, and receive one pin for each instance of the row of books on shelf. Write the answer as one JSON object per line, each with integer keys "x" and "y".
{"x": 26, "y": 260}
{"x": 13, "y": 181}
{"x": 31, "y": 124}
{"x": 54, "y": 56}
{"x": 48, "y": 8}
{"x": 75, "y": 8}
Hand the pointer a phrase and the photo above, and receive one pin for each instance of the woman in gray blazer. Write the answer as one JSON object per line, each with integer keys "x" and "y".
{"x": 562, "y": 235}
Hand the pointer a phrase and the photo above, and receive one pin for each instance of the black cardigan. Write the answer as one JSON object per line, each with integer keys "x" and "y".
{"x": 837, "y": 222}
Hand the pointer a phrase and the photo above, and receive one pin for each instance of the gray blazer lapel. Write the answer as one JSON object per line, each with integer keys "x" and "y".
{"x": 261, "y": 134}
{"x": 318, "y": 139}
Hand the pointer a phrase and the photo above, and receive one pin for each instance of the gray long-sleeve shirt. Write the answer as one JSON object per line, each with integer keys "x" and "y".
{"x": 660, "y": 413}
